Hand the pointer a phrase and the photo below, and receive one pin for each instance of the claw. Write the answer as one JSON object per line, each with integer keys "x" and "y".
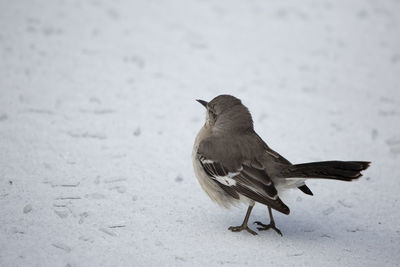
{"x": 265, "y": 227}
{"x": 240, "y": 228}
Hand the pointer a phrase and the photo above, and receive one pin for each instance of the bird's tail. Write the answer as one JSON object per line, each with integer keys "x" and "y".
{"x": 336, "y": 170}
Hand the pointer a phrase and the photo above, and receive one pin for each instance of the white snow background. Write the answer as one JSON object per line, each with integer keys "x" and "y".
{"x": 98, "y": 117}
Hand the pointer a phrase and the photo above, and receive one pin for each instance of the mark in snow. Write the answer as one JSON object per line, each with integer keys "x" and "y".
{"x": 64, "y": 198}
{"x": 179, "y": 178}
{"x": 120, "y": 189}
{"x": 65, "y": 185}
{"x": 15, "y": 230}
{"x": 137, "y": 132}
{"x": 295, "y": 254}
{"x": 344, "y": 204}
{"x": 114, "y": 180}
{"x": 62, "y": 246}
{"x": 374, "y": 134}
{"x": 108, "y": 232}
{"x": 117, "y": 226}
{"x": 62, "y": 213}
{"x": 328, "y": 211}
{"x": 28, "y": 208}
{"x": 94, "y": 99}
{"x": 99, "y": 136}
{"x": 82, "y": 217}
{"x": 353, "y": 230}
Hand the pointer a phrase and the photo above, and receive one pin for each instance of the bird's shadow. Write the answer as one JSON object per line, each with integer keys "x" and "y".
{"x": 305, "y": 227}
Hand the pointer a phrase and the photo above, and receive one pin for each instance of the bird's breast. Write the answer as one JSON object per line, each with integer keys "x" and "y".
{"x": 216, "y": 193}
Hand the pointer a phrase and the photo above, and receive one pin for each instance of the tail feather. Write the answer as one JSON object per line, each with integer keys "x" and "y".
{"x": 304, "y": 188}
{"x": 337, "y": 170}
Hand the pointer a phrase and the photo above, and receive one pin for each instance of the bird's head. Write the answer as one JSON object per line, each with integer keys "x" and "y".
{"x": 227, "y": 113}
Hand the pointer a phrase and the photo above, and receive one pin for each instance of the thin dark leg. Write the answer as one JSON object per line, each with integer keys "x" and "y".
{"x": 244, "y": 224}
{"x": 271, "y": 224}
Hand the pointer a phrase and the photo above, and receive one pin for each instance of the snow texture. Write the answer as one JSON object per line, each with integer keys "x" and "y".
{"x": 98, "y": 117}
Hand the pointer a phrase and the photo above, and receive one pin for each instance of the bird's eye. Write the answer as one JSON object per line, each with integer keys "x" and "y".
{"x": 212, "y": 114}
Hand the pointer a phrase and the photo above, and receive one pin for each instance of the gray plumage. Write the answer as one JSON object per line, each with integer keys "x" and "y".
{"x": 233, "y": 164}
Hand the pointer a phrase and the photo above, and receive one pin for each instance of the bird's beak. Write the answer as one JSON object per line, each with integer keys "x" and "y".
{"x": 204, "y": 103}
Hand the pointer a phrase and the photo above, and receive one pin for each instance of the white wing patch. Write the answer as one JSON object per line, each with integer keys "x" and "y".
{"x": 227, "y": 180}
{"x": 216, "y": 175}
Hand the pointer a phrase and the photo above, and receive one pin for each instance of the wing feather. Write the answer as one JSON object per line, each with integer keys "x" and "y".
{"x": 248, "y": 181}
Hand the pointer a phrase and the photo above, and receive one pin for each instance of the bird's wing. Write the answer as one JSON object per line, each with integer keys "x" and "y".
{"x": 272, "y": 158}
{"x": 246, "y": 180}
{"x": 270, "y": 153}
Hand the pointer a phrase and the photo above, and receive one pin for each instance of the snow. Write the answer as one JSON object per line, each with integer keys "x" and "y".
{"x": 98, "y": 118}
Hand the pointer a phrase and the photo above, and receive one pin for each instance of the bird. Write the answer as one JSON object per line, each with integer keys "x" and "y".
{"x": 235, "y": 166}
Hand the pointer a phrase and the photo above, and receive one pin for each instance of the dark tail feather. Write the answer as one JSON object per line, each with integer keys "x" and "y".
{"x": 305, "y": 190}
{"x": 337, "y": 170}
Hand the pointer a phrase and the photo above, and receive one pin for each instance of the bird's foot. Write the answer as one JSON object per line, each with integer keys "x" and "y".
{"x": 265, "y": 227}
{"x": 240, "y": 228}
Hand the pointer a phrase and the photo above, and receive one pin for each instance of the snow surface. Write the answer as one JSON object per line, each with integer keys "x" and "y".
{"x": 98, "y": 118}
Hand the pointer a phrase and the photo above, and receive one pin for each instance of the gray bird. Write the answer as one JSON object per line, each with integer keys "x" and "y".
{"x": 234, "y": 165}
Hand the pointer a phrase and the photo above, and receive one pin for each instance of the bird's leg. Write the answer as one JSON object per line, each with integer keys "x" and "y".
{"x": 244, "y": 224}
{"x": 271, "y": 224}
